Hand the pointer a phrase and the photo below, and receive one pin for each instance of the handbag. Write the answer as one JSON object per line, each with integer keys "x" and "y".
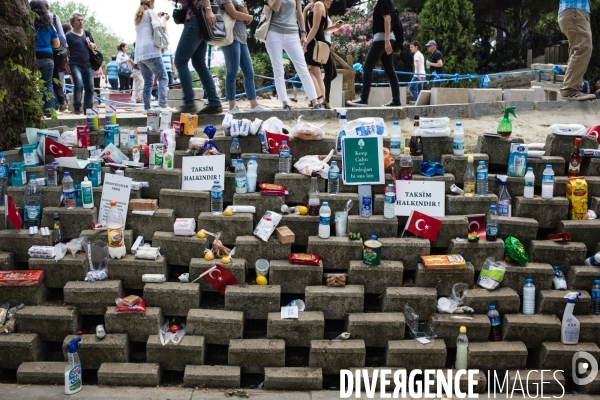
{"x": 61, "y": 53}
{"x": 96, "y": 58}
{"x": 160, "y": 38}
{"x": 263, "y": 24}
{"x": 321, "y": 52}
{"x": 125, "y": 71}
{"x": 229, "y": 24}
{"x": 217, "y": 32}
{"x": 179, "y": 15}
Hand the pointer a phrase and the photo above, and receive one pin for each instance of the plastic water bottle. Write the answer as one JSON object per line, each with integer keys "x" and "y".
{"x": 32, "y": 204}
{"x": 131, "y": 140}
{"x": 462, "y": 348}
{"x": 252, "y": 174}
{"x": 458, "y": 144}
{"x": 406, "y": 166}
{"x": 333, "y": 179}
{"x": 529, "y": 183}
{"x": 285, "y": 158}
{"x": 395, "y": 139}
{"x": 116, "y": 239}
{"x": 69, "y": 191}
{"x": 235, "y": 153}
{"x": 469, "y": 178}
{"x": 491, "y": 224}
{"x": 548, "y": 182}
{"x": 495, "y": 333}
{"x": 389, "y": 205}
{"x": 482, "y": 179}
{"x": 324, "y": 221}
{"x": 241, "y": 183}
{"x": 216, "y": 198}
{"x": 560, "y": 283}
{"x": 314, "y": 203}
{"x": 529, "y": 297}
{"x": 3, "y": 178}
{"x": 596, "y": 297}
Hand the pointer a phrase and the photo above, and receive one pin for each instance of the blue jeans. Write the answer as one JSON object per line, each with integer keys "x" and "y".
{"x": 415, "y": 88}
{"x": 46, "y": 68}
{"x": 83, "y": 79}
{"x": 114, "y": 84}
{"x": 150, "y": 68}
{"x": 191, "y": 45}
{"x": 236, "y": 56}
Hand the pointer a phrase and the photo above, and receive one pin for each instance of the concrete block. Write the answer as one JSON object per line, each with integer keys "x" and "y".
{"x": 185, "y": 203}
{"x": 58, "y": 273}
{"x": 174, "y": 357}
{"x": 103, "y": 235}
{"x": 514, "y": 184}
{"x": 157, "y": 179}
{"x": 447, "y": 328}
{"x": 19, "y": 242}
{"x": 448, "y": 179}
{"x": 586, "y": 232}
{"x": 515, "y": 276}
{"x": 518, "y": 95}
{"x": 524, "y": 229}
{"x": 406, "y": 250}
{"x": 457, "y": 165}
{"x": 303, "y": 227}
{"x": 498, "y": 149}
{"x": 379, "y": 96}
{"x": 254, "y": 355}
{"x": 31, "y": 295}
{"x": 562, "y": 146}
{"x": 41, "y": 373}
{"x": 411, "y": 354}
{"x": 334, "y": 355}
{"x": 18, "y": 348}
{"x": 230, "y": 227}
{"x": 294, "y": 278}
{"x": 173, "y": 298}
{"x": 130, "y": 270}
{"x": 213, "y": 376}
{"x": 337, "y": 202}
{"x": 92, "y": 298}
{"x": 552, "y": 381}
{"x": 336, "y": 252}
{"x": 590, "y": 167}
{"x": 50, "y": 194}
{"x": 298, "y": 186}
{"x": 498, "y": 356}
{"x": 506, "y": 300}
{"x": 594, "y": 204}
{"x": 72, "y": 222}
{"x": 138, "y": 327}
{"x": 145, "y": 225}
{"x": 51, "y": 323}
{"x": 563, "y": 254}
{"x": 547, "y": 212}
{"x": 553, "y": 302}
{"x": 422, "y": 300}
{"x": 376, "y": 225}
{"x": 452, "y": 227}
{"x": 582, "y": 277}
{"x": 237, "y": 268}
{"x": 435, "y": 147}
{"x": 229, "y": 189}
{"x": 532, "y": 330}
{"x": 335, "y": 302}
{"x": 555, "y": 355}
{"x": 262, "y": 203}
{"x": 375, "y": 279}
{"x": 462, "y": 205}
{"x": 443, "y": 279}
{"x": 424, "y": 98}
{"x": 216, "y": 326}
{"x": 255, "y": 301}
{"x": 449, "y": 96}
{"x": 126, "y": 374}
{"x": 7, "y": 262}
{"x": 590, "y": 328}
{"x": 376, "y": 328}
{"x": 476, "y": 253}
{"x": 293, "y": 379}
{"x": 485, "y": 95}
{"x": 268, "y": 165}
{"x": 310, "y": 325}
{"x": 252, "y": 248}
{"x": 93, "y": 351}
{"x": 179, "y": 250}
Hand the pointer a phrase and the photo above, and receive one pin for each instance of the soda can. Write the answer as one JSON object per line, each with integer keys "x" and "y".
{"x": 366, "y": 209}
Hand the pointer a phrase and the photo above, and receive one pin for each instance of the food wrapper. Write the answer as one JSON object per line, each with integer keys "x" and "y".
{"x": 148, "y": 253}
{"x": 270, "y": 189}
{"x": 515, "y": 250}
{"x": 491, "y": 274}
{"x": 307, "y": 131}
{"x": 335, "y": 279}
{"x": 154, "y": 278}
{"x": 41, "y": 252}
{"x": 446, "y": 261}
{"x": 217, "y": 247}
{"x": 266, "y": 226}
{"x": 21, "y": 278}
{"x": 124, "y": 308}
{"x": 184, "y": 227}
{"x": 195, "y": 145}
{"x": 209, "y": 148}
{"x": 305, "y": 259}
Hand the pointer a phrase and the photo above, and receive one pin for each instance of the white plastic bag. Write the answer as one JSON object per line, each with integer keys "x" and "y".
{"x": 309, "y": 164}
{"x": 567, "y": 129}
{"x": 306, "y": 130}
{"x": 429, "y": 123}
{"x": 435, "y": 132}
{"x": 453, "y": 303}
{"x": 167, "y": 336}
{"x": 69, "y": 137}
{"x": 366, "y": 127}
{"x": 272, "y": 125}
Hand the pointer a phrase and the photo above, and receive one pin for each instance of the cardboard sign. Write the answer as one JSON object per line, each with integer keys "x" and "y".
{"x": 362, "y": 160}
{"x": 118, "y": 188}
{"x": 199, "y": 173}
{"x": 427, "y": 197}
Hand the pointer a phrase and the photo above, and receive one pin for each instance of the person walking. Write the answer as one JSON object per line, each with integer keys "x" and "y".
{"x": 330, "y": 70}
{"x": 435, "y": 62}
{"x": 112, "y": 72}
{"x": 59, "y": 89}
{"x": 283, "y": 35}
{"x": 316, "y": 23}
{"x": 416, "y": 85}
{"x": 82, "y": 75}
{"x": 125, "y": 66}
{"x": 169, "y": 62}
{"x": 381, "y": 49}
{"x": 46, "y": 40}
{"x": 574, "y": 22}
{"x": 137, "y": 81}
{"x": 192, "y": 46}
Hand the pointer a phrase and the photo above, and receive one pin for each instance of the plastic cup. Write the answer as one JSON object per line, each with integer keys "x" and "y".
{"x": 99, "y": 255}
{"x": 262, "y": 267}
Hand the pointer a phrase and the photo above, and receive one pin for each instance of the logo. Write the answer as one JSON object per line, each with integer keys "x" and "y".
{"x": 361, "y": 144}
{"x": 581, "y": 367}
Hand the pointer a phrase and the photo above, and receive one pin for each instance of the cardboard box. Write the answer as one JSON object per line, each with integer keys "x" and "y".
{"x": 444, "y": 261}
{"x": 143, "y": 204}
{"x": 20, "y": 278}
{"x": 156, "y": 154}
{"x": 285, "y": 235}
{"x": 190, "y": 124}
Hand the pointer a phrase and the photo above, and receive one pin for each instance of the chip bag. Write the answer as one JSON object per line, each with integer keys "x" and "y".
{"x": 209, "y": 148}
{"x": 514, "y": 250}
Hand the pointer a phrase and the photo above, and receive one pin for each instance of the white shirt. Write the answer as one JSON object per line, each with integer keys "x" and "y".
{"x": 144, "y": 40}
{"x": 421, "y": 67}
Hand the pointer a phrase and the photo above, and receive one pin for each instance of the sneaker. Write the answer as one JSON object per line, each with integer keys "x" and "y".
{"x": 358, "y": 103}
{"x": 235, "y": 110}
{"x": 259, "y": 108}
{"x": 186, "y": 110}
{"x": 578, "y": 96}
{"x": 286, "y": 108}
{"x": 76, "y": 112}
{"x": 211, "y": 110}
{"x": 318, "y": 106}
{"x": 294, "y": 100}
{"x": 167, "y": 108}
{"x": 63, "y": 107}
{"x": 392, "y": 104}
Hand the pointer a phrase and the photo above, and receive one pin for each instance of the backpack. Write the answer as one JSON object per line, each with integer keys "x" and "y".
{"x": 398, "y": 31}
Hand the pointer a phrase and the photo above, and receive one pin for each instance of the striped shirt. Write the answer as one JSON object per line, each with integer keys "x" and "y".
{"x": 112, "y": 69}
{"x": 583, "y": 5}
{"x": 167, "y": 57}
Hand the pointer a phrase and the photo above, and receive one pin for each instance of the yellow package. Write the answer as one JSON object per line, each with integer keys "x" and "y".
{"x": 577, "y": 194}
{"x": 447, "y": 261}
{"x": 190, "y": 124}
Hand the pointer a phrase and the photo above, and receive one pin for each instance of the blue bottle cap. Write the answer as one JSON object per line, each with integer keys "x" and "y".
{"x": 239, "y": 161}
{"x": 325, "y": 204}
{"x": 67, "y": 173}
{"x": 374, "y": 237}
{"x": 529, "y": 280}
{"x": 492, "y": 307}
{"x": 32, "y": 176}
{"x": 459, "y": 124}
{"x": 334, "y": 163}
{"x": 390, "y": 186}
{"x": 493, "y": 207}
{"x": 2, "y": 155}
{"x": 253, "y": 158}
{"x": 556, "y": 267}
{"x": 481, "y": 162}
{"x": 597, "y": 281}
{"x": 235, "y": 140}
{"x": 396, "y": 123}
{"x": 529, "y": 169}
{"x": 549, "y": 166}
{"x": 217, "y": 182}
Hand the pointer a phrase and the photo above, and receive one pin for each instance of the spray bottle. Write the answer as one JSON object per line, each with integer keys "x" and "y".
{"x": 504, "y": 199}
{"x": 341, "y": 113}
{"x": 73, "y": 368}
{"x": 505, "y": 125}
{"x": 570, "y": 325}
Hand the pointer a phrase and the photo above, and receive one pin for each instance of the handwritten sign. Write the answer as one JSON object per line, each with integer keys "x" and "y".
{"x": 427, "y": 197}
{"x": 362, "y": 160}
{"x": 199, "y": 173}
{"x": 116, "y": 188}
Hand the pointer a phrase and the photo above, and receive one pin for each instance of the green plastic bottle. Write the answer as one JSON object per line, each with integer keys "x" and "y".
{"x": 505, "y": 125}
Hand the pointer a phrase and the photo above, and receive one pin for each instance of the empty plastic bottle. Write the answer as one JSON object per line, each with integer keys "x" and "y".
{"x": 3, "y": 178}
{"x": 32, "y": 215}
{"x": 313, "y": 195}
{"x": 285, "y": 160}
{"x": 252, "y": 174}
{"x": 406, "y": 166}
{"x": 69, "y": 191}
{"x": 559, "y": 280}
{"x": 495, "y": 332}
{"x": 469, "y": 178}
{"x": 389, "y": 205}
{"x": 458, "y": 143}
{"x": 235, "y": 153}
{"x": 241, "y": 183}
{"x": 395, "y": 139}
{"x": 116, "y": 240}
{"x": 462, "y": 347}
{"x": 482, "y": 179}
{"x": 491, "y": 224}
{"x": 548, "y": 182}
{"x": 529, "y": 297}
{"x": 333, "y": 179}
{"x": 216, "y": 198}
{"x": 529, "y": 183}
{"x": 325, "y": 221}
{"x": 596, "y": 297}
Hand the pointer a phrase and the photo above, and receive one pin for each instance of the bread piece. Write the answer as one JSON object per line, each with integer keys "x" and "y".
{"x": 131, "y": 300}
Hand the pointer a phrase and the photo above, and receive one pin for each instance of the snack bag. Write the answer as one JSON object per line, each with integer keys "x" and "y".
{"x": 514, "y": 250}
{"x": 209, "y": 148}
{"x": 577, "y": 194}
{"x": 306, "y": 130}
{"x": 130, "y": 305}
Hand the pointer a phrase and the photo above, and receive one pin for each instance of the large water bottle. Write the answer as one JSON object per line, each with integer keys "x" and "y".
{"x": 333, "y": 179}
{"x": 285, "y": 158}
{"x": 529, "y": 297}
{"x": 596, "y": 297}
{"x": 462, "y": 348}
{"x": 482, "y": 179}
{"x": 116, "y": 238}
{"x": 32, "y": 204}
{"x": 69, "y": 191}
{"x": 241, "y": 183}
{"x": 216, "y": 199}
{"x": 252, "y": 174}
{"x": 389, "y": 205}
{"x": 395, "y": 140}
{"x": 495, "y": 333}
{"x": 548, "y": 182}
{"x": 235, "y": 153}
{"x": 458, "y": 143}
{"x": 529, "y": 184}
{"x": 559, "y": 280}
{"x": 3, "y": 178}
{"x": 325, "y": 221}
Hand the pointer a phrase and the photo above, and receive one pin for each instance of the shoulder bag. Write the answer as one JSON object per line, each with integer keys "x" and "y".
{"x": 229, "y": 24}
{"x": 264, "y": 23}
{"x": 321, "y": 51}
{"x": 179, "y": 15}
{"x": 61, "y": 53}
{"x": 96, "y": 58}
{"x": 160, "y": 37}
{"x": 217, "y": 32}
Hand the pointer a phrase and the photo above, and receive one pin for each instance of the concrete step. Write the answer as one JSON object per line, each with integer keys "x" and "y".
{"x": 476, "y": 253}
{"x": 375, "y": 279}
{"x": 376, "y": 328}
{"x": 335, "y": 302}
{"x": 422, "y": 300}
{"x": 294, "y": 278}
{"x": 72, "y": 222}
{"x": 376, "y": 225}
{"x": 293, "y": 378}
{"x": 254, "y": 355}
{"x": 145, "y": 225}
{"x": 237, "y": 268}
{"x": 114, "y": 347}
{"x": 547, "y": 212}
{"x": 410, "y": 354}
{"x": 230, "y": 227}
{"x": 506, "y": 300}
{"x": 555, "y": 355}
{"x": 178, "y": 250}
{"x": 582, "y": 277}
{"x": 7, "y": 262}
{"x": 552, "y": 302}
{"x": 128, "y": 374}
{"x": 406, "y": 250}
{"x": 498, "y": 149}
{"x": 92, "y": 298}
{"x": 443, "y": 279}
{"x": 18, "y": 348}
{"x": 185, "y": 203}
{"x": 453, "y": 226}
{"x": 586, "y": 232}
{"x": 563, "y": 254}
{"x": 334, "y": 355}
{"x": 457, "y": 165}
{"x": 19, "y": 242}
{"x": 310, "y": 325}
{"x": 191, "y": 350}
{"x": 262, "y": 203}
{"x": 129, "y": 270}
{"x": 30, "y": 295}
{"x": 216, "y": 326}
{"x": 515, "y": 276}
{"x": 173, "y": 298}
{"x": 497, "y": 355}
{"x": 41, "y": 373}
{"x": 255, "y": 301}
{"x": 58, "y": 273}
{"x": 447, "y": 328}
{"x": 335, "y": 252}
{"x": 138, "y": 327}
{"x": 532, "y": 330}
{"x": 51, "y": 323}
{"x": 252, "y": 248}
{"x": 214, "y": 376}
{"x": 524, "y": 229}
{"x": 463, "y": 205}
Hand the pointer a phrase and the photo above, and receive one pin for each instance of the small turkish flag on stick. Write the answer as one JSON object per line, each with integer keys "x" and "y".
{"x": 11, "y": 213}
{"x": 219, "y": 277}
{"x": 423, "y": 225}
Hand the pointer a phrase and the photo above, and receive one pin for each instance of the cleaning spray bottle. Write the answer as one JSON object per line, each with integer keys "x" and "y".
{"x": 341, "y": 113}
{"x": 570, "y": 325}
{"x": 73, "y": 368}
{"x": 504, "y": 199}
{"x": 505, "y": 125}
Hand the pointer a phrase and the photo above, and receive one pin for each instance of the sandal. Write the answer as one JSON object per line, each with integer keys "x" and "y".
{"x": 326, "y": 105}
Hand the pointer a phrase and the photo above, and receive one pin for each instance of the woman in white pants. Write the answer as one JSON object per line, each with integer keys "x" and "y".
{"x": 283, "y": 35}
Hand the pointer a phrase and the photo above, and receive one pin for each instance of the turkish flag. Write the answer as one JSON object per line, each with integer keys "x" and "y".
{"x": 476, "y": 223}
{"x": 11, "y": 212}
{"x": 219, "y": 277}
{"x": 56, "y": 149}
{"x": 274, "y": 141}
{"x": 423, "y": 225}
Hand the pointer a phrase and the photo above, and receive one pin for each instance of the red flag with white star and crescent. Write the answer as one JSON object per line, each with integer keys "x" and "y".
{"x": 219, "y": 277}
{"x": 423, "y": 225}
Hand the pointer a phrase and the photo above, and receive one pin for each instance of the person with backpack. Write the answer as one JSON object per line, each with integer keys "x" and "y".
{"x": 435, "y": 62}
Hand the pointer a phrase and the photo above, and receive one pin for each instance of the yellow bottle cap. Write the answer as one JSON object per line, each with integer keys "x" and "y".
{"x": 470, "y": 159}
{"x": 463, "y": 329}
{"x": 407, "y": 149}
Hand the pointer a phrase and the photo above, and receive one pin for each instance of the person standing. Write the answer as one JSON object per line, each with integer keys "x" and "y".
{"x": 316, "y": 23}
{"x": 125, "y": 66}
{"x": 82, "y": 75}
{"x": 330, "y": 70}
{"x": 98, "y": 78}
{"x": 435, "y": 62}
{"x": 574, "y": 22}
{"x": 112, "y": 72}
{"x": 59, "y": 90}
{"x": 46, "y": 40}
{"x": 167, "y": 58}
{"x": 137, "y": 82}
{"x": 416, "y": 84}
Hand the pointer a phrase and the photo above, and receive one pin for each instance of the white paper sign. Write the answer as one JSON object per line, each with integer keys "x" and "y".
{"x": 116, "y": 188}
{"x": 200, "y": 172}
{"x": 289, "y": 312}
{"x": 428, "y": 197}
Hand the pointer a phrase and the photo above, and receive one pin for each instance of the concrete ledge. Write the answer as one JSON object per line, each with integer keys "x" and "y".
{"x": 376, "y": 328}
{"x": 174, "y": 357}
{"x": 410, "y": 354}
{"x": 333, "y": 355}
{"x": 215, "y": 376}
{"x": 309, "y": 326}
{"x": 173, "y": 298}
{"x": 93, "y": 351}
{"x": 255, "y": 301}
{"x": 293, "y": 379}
{"x": 422, "y": 300}
{"x": 129, "y": 270}
{"x": 506, "y": 300}
{"x": 18, "y": 348}
{"x": 335, "y": 302}
{"x": 375, "y": 279}
{"x": 58, "y": 273}
{"x": 52, "y": 323}
{"x": 216, "y": 326}
{"x": 138, "y": 327}
{"x": 237, "y": 268}
{"x": 41, "y": 373}
{"x": 294, "y": 278}
{"x": 126, "y": 374}
{"x": 92, "y": 298}
{"x": 254, "y": 355}
{"x": 179, "y": 250}
{"x": 497, "y": 355}
{"x": 336, "y": 252}
{"x": 447, "y": 328}
{"x": 555, "y": 355}
{"x": 532, "y": 330}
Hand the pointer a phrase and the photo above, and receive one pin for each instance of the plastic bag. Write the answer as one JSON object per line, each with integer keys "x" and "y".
{"x": 195, "y": 145}
{"x": 491, "y": 274}
{"x": 365, "y": 127}
{"x": 308, "y": 164}
{"x": 514, "y": 250}
{"x": 567, "y": 129}
{"x": 431, "y": 168}
{"x": 209, "y": 148}
{"x": 217, "y": 247}
{"x": 453, "y": 303}
{"x": 226, "y": 124}
{"x": 273, "y": 125}
{"x": 9, "y": 324}
{"x": 429, "y": 123}
{"x": 306, "y": 130}
{"x": 69, "y": 137}
{"x": 74, "y": 246}
{"x": 184, "y": 227}
{"x": 167, "y": 333}
{"x": 125, "y": 307}
{"x": 594, "y": 131}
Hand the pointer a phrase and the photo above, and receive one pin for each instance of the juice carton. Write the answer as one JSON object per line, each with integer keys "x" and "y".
{"x": 190, "y": 124}
{"x": 517, "y": 160}
{"x": 577, "y": 194}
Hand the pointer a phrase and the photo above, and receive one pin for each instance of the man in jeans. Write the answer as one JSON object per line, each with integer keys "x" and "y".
{"x": 416, "y": 85}
{"x": 191, "y": 45}
{"x": 574, "y": 22}
{"x": 79, "y": 63}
